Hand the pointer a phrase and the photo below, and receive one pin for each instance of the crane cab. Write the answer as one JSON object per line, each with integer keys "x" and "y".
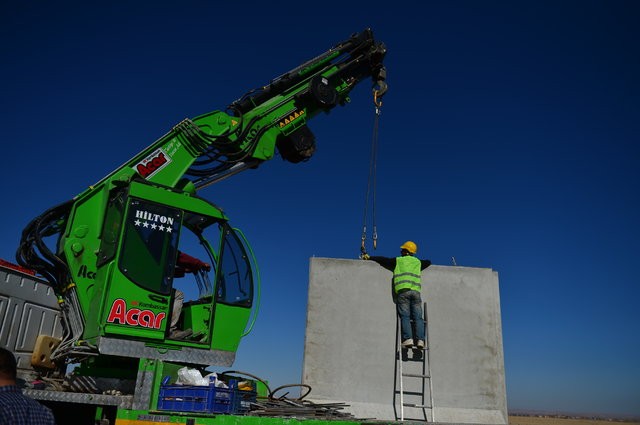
{"x": 131, "y": 306}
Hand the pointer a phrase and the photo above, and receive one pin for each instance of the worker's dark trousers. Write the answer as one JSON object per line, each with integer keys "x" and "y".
{"x": 409, "y": 305}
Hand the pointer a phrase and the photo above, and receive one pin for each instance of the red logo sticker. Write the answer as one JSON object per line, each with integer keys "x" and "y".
{"x": 155, "y": 162}
{"x": 134, "y": 316}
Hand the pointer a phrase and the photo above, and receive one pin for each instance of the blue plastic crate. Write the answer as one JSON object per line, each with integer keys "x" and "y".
{"x": 183, "y": 398}
{"x": 242, "y": 400}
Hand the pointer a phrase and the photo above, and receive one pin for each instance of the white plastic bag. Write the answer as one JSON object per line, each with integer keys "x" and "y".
{"x": 213, "y": 378}
{"x": 190, "y": 376}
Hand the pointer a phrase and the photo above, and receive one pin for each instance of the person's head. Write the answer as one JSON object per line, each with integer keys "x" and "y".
{"x": 408, "y": 248}
{"x": 8, "y": 368}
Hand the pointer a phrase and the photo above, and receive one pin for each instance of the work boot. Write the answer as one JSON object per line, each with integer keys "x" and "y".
{"x": 420, "y": 344}
{"x": 180, "y": 334}
{"x": 407, "y": 343}
{"x": 197, "y": 337}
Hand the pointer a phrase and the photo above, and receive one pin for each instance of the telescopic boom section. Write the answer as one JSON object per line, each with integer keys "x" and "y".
{"x": 215, "y": 145}
{"x": 274, "y": 117}
{"x": 360, "y": 52}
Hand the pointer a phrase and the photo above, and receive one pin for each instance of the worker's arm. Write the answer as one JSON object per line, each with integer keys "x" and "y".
{"x": 424, "y": 264}
{"x": 191, "y": 264}
{"x": 386, "y": 262}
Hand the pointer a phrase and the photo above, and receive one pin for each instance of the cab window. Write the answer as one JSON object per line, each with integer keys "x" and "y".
{"x": 150, "y": 245}
{"x": 111, "y": 227}
{"x": 235, "y": 281}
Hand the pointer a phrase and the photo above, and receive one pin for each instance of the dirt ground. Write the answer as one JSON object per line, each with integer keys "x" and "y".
{"x": 533, "y": 420}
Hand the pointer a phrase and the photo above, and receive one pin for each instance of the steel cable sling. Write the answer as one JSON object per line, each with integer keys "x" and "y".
{"x": 371, "y": 181}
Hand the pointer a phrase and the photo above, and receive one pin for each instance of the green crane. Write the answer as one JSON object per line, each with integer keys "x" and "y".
{"x": 118, "y": 241}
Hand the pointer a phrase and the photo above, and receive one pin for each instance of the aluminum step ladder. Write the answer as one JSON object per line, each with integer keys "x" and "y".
{"x": 413, "y": 394}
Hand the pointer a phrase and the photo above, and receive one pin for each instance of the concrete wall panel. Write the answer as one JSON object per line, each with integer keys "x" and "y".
{"x": 349, "y": 353}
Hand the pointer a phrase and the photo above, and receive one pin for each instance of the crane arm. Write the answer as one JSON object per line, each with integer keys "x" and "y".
{"x": 101, "y": 254}
{"x": 218, "y": 144}
{"x": 270, "y": 119}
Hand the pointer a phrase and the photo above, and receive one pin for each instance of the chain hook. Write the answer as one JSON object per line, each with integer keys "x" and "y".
{"x": 377, "y": 101}
{"x": 375, "y": 237}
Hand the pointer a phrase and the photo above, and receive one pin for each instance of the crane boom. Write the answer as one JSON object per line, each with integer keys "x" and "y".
{"x": 118, "y": 241}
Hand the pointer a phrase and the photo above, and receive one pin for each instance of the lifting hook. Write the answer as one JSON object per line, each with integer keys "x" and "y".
{"x": 377, "y": 100}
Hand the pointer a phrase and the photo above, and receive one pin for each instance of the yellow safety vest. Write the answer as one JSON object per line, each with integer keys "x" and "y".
{"x": 407, "y": 274}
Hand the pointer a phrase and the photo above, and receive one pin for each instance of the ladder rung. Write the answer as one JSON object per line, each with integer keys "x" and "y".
{"x": 418, "y": 360}
{"x": 401, "y": 348}
{"x": 415, "y": 375}
{"x": 419, "y": 406}
{"x": 418, "y": 393}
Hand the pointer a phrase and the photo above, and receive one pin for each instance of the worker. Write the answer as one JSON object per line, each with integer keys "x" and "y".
{"x": 15, "y": 407}
{"x": 407, "y": 270}
{"x": 184, "y": 264}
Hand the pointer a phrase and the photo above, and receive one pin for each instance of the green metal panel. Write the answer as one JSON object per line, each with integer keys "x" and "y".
{"x": 197, "y": 317}
{"x": 128, "y": 310}
{"x": 138, "y": 417}
{"x": 229, "y": 326}
{"x": 179, "y": 199}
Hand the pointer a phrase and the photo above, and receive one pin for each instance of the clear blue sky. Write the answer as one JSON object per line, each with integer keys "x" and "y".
{"x": 508, "y": 140}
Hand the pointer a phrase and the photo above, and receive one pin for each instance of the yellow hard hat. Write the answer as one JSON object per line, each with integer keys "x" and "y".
{"x": 410, "y": 246}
